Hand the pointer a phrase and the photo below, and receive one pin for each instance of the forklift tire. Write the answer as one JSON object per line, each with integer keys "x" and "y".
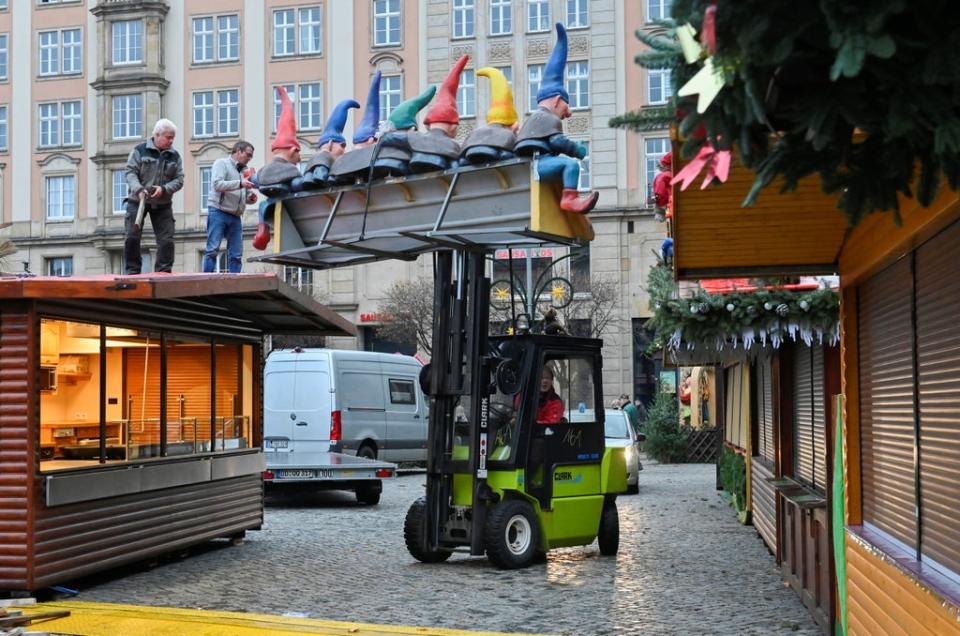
{"x": 414, "y": 527}
{"x": 609, "y": 534}
{"x": 512, "y": 534}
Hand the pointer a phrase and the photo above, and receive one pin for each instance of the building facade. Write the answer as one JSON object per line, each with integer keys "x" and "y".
{"x": 101, "y": 72}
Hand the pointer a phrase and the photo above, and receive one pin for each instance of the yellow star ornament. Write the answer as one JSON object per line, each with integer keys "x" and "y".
{"x": 706, "y": 83}
{"x": 501, "y": 294}
{"x": 559, "y": 292}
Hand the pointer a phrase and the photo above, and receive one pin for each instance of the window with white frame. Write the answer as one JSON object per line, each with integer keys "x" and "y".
{"x": 534, "y": 77}
{"x": 228, "y": 38}
{"x": 3, "y": 128}
{"x": 659, "y": 89}
{"x": 386, "y": 22}
{"x": 653, "y": 149}
{"x": 72, "y": 44}
{"x": 127, "y": 116}
{"x": 4, "y": 55}
{"x": 538, "y": 15}
{"x": 48, "y": 124}
{"x": 72, "y": 118}
{"x": 59, "y": 124}
{"x": 48, "y": 59}
{"x": 297, "y": 31}
{"x": 203, "y": 35}
{"x": 501, "y": 17}
{"x": 60, "y": 266}
{"x": 216, "y": 113}
{"x": 467, "y": 94}
{"x": 118, "y": 183}
{"x": 307, "y": 100}
{"x": 390, "y": 94}
{"x": 203, "y": 114}
{"x": 585, "y": 168}
{"x": 658, "y": 9}
{"x": 577, "y": 15}
{"x": 284, "y": 32}
{"x": 216, "y": 39}
{"x": 578, "y": 84}
{"x": 206, "y": 183}
{"x": 464, "y": 16}
{"x": 127, "y": 41}
{"x": 3, "y": 5}
{"x": 61, "y": 195}
{"x": 507, "y": 73}
{"x": 228, "y": 112}
{"x": 309, "y": 24}
{"x": 299, "y": 277}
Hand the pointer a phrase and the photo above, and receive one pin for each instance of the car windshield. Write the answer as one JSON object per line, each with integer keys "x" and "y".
{"x": 615, "y": 425}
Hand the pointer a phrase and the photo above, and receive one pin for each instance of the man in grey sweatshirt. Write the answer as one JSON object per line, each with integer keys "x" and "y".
{"x": 230, "y": 193}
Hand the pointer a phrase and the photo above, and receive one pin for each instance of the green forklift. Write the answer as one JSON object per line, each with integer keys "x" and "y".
{"x": 517, "y": 463}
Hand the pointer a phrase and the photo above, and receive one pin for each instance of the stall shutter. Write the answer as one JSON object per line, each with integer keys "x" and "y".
{"x": 938, "y": 375}
{"x": 764, "y": 408}
{"x": 886, "y": 401}
{"x": 803, "y": 458}
{"x": 819, "y": 429}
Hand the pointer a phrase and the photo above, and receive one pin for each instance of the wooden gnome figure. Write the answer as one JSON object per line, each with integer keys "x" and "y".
{"x": 542, "y": 133}
{"x": 437, "y": 149}
{"x": 354, "y": 165}
{"x": 276, "y": 178}
{"x": 495, "y": 140}
{"x": 330, "y": 146}
{"x": 392, "y": 158}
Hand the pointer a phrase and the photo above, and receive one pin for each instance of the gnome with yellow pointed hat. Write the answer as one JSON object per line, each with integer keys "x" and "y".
{"x": 495, "y": 140}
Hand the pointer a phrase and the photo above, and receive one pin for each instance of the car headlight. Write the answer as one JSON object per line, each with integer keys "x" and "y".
{"x": 628, "y": 454}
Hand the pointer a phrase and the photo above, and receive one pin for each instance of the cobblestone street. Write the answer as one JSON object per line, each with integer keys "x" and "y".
{"x": 685, "y": 566}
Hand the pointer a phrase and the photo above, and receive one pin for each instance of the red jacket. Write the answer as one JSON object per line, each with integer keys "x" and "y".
{"x": 550, "y": 409}
{"x": 661, "y": 188}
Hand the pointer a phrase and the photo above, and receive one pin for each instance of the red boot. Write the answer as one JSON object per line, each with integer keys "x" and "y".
{"x": 571, "y": 201}
{"x": 262, "y": 237}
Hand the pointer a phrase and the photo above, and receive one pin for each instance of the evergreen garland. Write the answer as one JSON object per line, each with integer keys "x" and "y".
{"x": 866, "y": 95}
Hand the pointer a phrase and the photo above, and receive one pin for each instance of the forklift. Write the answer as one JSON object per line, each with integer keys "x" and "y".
{"x": 508, "y": 475}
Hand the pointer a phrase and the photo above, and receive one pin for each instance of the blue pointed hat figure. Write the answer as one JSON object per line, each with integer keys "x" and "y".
{"x": 371, "y": 116}
{"x": 554, "y": 82}
{"x": 335, "y": 123}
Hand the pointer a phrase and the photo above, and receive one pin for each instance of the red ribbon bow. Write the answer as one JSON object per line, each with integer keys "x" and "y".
{"x": 716, "y": 161}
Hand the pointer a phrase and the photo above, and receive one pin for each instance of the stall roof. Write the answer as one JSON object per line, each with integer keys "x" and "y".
{"x": 239, "y": 303}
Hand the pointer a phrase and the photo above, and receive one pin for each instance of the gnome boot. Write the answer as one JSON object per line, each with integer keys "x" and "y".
{"x": 571, "y": 201}
{"x": 262, "y": 237}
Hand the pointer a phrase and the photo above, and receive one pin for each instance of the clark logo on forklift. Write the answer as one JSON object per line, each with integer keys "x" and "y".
{"x": 566, "y": 475}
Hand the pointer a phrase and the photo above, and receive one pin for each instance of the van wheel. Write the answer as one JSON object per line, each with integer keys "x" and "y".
{"x": 368, "y": 495}
{"x": 609, "y": 534}
{"x": 512, "y": 534}
{"x": 414, "y": 529}
{"x": 368, "y": 451}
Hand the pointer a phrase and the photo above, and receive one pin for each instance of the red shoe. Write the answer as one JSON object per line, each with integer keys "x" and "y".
{"x": 571, "y": 201}
{"x": 262, "y": 237}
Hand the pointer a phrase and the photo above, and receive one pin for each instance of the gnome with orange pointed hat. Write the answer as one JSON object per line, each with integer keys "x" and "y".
{"x": 542, "y": 133}
{"x": 495, "y": 140}
{"x": 276, "y": 179}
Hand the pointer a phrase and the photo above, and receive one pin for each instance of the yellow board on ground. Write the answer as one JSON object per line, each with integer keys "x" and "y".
{"x": 108, "y": 619}
{"x": 546, "y": 215}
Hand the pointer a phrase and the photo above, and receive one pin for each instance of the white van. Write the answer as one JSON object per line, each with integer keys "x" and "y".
{"x": 356, "y": 402}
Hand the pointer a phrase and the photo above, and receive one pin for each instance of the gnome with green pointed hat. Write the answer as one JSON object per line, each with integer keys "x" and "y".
{"x": 495, "y": 140}
{"x": 393, "y": 155}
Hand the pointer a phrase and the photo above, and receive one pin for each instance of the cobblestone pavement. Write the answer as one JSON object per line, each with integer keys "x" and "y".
{"x": 685, "y": 566}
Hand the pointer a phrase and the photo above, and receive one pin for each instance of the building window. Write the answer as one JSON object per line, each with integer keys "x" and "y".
{"x": 203, "y": 114}
{"x": 585, "y": 168}
{"x": 4, "y": 55}
{"x": 464, "y": 12}
{"x": 56, "y": 117}
{"x": 534, "y": 77}
{"x": 653, "y": 150}
{"x": 226, "y": 103}
{"x": 60, "y": 198}
{"x": 659, "y": 89}
{"x": 577, "y": 14}
{"x": 284, "y": 33}
{"x": 49, "y": 43}
{"x": 119, "y": 183}
{"x": 386, "y": 22}
{"x": 127, "y": 42}
{"x": 538, "y": 15}
{"x": 228, "y": 38}
{"x": 578, "y": 84}
{"x": 60, "y": 266}
{"x": 390, "y": 94}
{"x": 467, "y": 94}
{"x": 507, "y": 73}
{"x": 309, "y": 30}
{"x": 307, "y": 100}
{"x": 49, "y": 119}
{"x": 203, "y": 40}
{"x": 228, "y": 112}
{"x": 127, "y": 117}
{"x": 658, "y": 9}
{"x": 3, "y": 5}
{"x": 3, "y": 128}
{"x": 501, "y": 17}
{"x": 299, "y": 277}
{"x": 206, "y": 183}
{"x": 224, "y": 30}
{"x": 72, "y": 51}
{"x": 72, "y": 123}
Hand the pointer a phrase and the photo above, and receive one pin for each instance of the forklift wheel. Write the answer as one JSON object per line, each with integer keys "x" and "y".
{"x": 512, "y": 535}
{"x": 414, "y": 527}
{"x": 609, "y": 534}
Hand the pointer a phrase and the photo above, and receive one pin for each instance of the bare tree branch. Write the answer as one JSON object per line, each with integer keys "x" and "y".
{"x": 407, "y": 313}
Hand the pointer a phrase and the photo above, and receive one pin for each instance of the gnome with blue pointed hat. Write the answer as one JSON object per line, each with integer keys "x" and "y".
{"x": 355, "y": 164}
{"x": 330, "y": 146}
{"x": 495, "y": 140}
{"x": 542, "y": 133}
{"x": 393, "y": 155}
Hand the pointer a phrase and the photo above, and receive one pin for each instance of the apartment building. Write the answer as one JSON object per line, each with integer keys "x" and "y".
{"x": 101, "y": 72}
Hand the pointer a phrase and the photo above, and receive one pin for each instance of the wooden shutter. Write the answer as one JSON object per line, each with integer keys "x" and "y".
{"x": 763, "y": 396}
{"x": 819, "y": 432}
{"x": 886, "y": 401}
{"x": 803, "y": 451}
{"x": 938, "y": 376}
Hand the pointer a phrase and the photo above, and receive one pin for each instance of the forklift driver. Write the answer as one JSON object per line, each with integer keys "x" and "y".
{"x": 550, "y": 405}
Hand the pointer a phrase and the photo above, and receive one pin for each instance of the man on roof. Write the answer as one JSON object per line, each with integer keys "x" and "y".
{"x": 542, "y": 133}
{"x": 330, "y": 147}
{"x": 495, "y": 140}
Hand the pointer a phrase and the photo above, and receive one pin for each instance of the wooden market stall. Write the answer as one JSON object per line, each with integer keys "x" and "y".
{"x": 900, "y": 377}
{"x": 131, "y": 415}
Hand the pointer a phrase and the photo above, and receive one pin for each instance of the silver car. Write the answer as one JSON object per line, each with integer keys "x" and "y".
{"x": 620, "y": 434}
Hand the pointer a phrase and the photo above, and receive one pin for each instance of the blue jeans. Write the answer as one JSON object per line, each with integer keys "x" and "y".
{"x": 222, "y": 225}
{"x": 557, "y": 168}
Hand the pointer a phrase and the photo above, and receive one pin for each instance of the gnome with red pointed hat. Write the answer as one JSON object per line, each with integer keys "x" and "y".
{"x": 276, "y": 179}
{"x": 436, "y": 149}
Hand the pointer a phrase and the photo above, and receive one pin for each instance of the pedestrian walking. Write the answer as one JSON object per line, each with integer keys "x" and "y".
{"x": 154, "y": 174}
{"x": 230, "y": 194}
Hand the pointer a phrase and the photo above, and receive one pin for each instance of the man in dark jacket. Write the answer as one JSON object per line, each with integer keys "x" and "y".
{"x": 154, "y": 174}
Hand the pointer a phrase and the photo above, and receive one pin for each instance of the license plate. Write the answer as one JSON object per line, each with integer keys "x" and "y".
{"x": 276, "y": 443}
{"x": 295, "y": 474}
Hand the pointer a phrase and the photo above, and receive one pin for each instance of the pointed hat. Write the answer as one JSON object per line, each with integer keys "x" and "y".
{"x": 444, "y": 110}
{"x": 371, "y": 116}
{"x": 502, "y": 110}
{"x": 553, "y": 82}
{"x": 404, "y": 116}
{"x": 287, "y": 125}
{"x": 333, "y": 131}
